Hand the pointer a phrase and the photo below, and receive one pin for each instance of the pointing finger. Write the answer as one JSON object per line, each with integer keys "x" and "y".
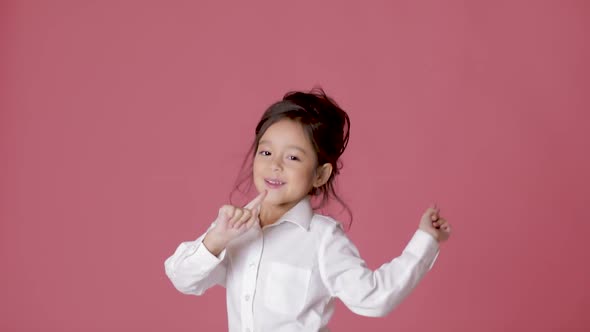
{"x": 256, "y": 201}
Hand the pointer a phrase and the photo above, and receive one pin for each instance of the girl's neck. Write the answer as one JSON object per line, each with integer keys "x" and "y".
{"x": 269, "y": 214}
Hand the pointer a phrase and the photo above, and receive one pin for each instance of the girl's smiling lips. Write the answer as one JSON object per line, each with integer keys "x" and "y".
{"x": 273, "y": 183}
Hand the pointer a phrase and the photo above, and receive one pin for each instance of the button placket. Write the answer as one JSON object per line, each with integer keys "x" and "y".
{"x": 249, "y": 283}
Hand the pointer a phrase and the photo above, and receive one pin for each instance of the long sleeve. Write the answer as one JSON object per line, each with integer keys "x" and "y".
{"x": 367, "y": 292}
{"x": 193, "y": 269}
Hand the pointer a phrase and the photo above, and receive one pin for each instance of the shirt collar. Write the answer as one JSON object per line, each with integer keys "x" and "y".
{"x": 300, "y": 214}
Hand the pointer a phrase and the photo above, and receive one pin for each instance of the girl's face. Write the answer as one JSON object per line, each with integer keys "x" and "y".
{"x": 285, "y": 164}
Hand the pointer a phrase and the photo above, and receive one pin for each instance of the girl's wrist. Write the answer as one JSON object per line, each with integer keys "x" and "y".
{"x": 214, "y": 244}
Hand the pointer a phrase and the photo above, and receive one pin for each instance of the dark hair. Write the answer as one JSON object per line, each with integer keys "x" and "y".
{"x": 326, "y": 125}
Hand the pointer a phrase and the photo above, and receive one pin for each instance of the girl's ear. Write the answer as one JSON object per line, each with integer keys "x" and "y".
{"x": 322, "y": 175}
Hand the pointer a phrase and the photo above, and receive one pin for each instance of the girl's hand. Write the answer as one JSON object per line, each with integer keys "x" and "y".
{"x": 232, "y": 222}
{"x": 432, "y": 223}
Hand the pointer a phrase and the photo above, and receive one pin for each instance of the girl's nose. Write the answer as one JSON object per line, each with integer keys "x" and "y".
{"x": 276, "y": 164}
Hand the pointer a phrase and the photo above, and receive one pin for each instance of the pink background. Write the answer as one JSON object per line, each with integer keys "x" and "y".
{"x": 123, "y": 126}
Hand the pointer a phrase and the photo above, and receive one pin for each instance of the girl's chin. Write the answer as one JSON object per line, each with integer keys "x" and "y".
{"x": 272, "y": 198}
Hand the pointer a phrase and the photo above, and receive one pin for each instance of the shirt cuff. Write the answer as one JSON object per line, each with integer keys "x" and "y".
{"x": 199, "y": 252}
{"x": 423, "y": 246}
{"x": 201, "y": 260}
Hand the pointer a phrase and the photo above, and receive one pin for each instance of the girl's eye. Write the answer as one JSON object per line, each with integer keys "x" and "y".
{"x": 264, "y": 153}
{"x": 292, "y": 158}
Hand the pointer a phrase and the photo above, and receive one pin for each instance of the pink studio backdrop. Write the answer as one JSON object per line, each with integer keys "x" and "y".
{"x": 123, "y": 125}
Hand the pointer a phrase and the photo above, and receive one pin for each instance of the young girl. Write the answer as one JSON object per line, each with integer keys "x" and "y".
{"x": 282, "y": 264}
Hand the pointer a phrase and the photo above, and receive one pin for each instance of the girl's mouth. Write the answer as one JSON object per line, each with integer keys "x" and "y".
{"x": 273, "y": 183}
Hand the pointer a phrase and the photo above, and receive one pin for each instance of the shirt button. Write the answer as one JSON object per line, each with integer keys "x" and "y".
{"x": 252, "y": 264}
{"x": 247, "y": 297}
{"x": 248, "y": 330}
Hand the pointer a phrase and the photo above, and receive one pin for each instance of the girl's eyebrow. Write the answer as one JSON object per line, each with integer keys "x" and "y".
{"x": 288, "y": 146}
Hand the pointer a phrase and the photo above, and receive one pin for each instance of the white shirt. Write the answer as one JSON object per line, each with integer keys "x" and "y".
{"x": 286, "y": 276}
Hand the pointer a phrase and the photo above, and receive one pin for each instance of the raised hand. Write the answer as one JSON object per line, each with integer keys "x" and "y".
{"x": 435, "y": 225}
{"x": 232, "y": 222}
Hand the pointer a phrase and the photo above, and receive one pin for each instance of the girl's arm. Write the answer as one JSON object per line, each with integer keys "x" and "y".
{"x": 193, "y": 269}
{"x": 367, "y": 292}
